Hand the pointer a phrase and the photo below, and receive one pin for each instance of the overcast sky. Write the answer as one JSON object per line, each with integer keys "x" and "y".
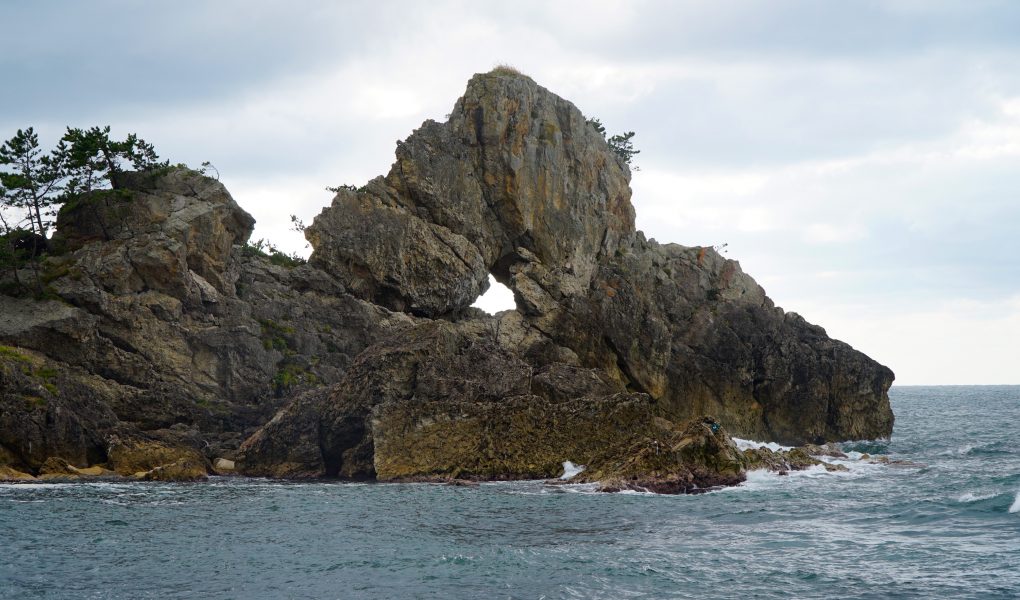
{"x": 860, "y": 159}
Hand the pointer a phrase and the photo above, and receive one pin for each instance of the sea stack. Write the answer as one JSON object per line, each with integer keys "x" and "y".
{"x": 165, "y": 331}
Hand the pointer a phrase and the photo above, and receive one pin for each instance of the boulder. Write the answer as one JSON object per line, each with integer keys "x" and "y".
{"x": 163, "y": 225}
{"x": 151, "y": 459}
{"x": 391, "y": 257}
{"x": 184, "y": 469}
{"x": 57, "y": 468}
{"x": 8, "y": 474}
{"x": 223, "y": 465}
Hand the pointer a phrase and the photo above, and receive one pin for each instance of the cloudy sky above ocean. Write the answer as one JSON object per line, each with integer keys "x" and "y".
{"x": 861, "y": 160}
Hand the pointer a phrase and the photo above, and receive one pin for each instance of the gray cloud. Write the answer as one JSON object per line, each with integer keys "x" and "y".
{"x": 859, "y": 157}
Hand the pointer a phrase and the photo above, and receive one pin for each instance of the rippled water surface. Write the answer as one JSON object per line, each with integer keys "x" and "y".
{"x": 950, "y": 529}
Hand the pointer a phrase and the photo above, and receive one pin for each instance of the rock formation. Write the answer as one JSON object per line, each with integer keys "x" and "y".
{"x": 163, "y": 328}
{"x": 166, "y": 333}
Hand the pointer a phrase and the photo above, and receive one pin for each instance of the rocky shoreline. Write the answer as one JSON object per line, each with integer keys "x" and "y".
{"x": 701, "y": 458}
{"x": 166, "y": 342}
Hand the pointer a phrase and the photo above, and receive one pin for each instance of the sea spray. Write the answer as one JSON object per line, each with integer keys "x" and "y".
{"x": 1016, "y": 504}
{"x": 743, "y": 444}
{"x": 972, "y": 497}
{"x": 570, "y": 470}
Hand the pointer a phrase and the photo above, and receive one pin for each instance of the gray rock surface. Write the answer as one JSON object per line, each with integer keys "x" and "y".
{"x": 178, "y": 325}
{"x": 519, "y": 174}
{"x": 168, "y": 337}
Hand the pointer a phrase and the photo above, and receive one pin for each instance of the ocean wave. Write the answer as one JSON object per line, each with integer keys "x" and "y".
{"x": 872, "y": 447}
{"x": 743, "y": 444}
{"x": 1016, "y": 504}
{"x": 35, "y": 486}
{"x": 763, "y": 479}
{"x": 573, "y": 488}
{"x": 979, "y": 450}
{"x": 959, "y": 451}
{"x": 968, "y": 497}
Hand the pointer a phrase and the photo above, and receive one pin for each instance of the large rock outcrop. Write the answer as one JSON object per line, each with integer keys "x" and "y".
{"x": 161, "y": 323}
{"x": 517, "y": 184}
{"x": 368, "y": 361}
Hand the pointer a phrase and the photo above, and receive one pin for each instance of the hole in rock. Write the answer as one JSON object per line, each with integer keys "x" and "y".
{"x": 496, "y": 299}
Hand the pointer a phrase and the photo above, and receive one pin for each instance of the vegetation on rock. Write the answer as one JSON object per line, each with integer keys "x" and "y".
{"x": 621, "y": 144}
{"x": 265, "y": 249}
{"x": 34, "y": 185}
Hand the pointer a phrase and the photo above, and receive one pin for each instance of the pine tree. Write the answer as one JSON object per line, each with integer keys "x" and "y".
{"x": 32, "y": 182}
{"x": 621, "y": 144}
{"x": 93, "y": 160}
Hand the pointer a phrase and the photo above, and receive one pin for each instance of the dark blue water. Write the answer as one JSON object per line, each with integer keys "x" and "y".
{"x": 944, "y": 530}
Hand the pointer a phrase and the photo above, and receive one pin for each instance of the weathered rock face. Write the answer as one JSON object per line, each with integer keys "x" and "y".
{"x": 527, "y": 190}
{"x": 391, "y": 257}
{"x": 515, "y": 170}
{"x": 47, "y": 410}
{"x": 171, "y": 233}
{"x": 165, "y": 323}
{"x": 169, "y": 336}
{"x": 692, "y": 330}
{"x": 694, "y": 457}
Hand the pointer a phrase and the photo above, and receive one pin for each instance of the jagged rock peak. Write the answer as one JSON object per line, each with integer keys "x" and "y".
{"x": 516, "y": 176}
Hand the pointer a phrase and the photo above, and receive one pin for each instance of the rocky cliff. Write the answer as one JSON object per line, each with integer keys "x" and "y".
{"x": 368, "y": 362}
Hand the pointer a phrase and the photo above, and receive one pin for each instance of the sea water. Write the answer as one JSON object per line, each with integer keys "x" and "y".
{"x": 947, "y": 529}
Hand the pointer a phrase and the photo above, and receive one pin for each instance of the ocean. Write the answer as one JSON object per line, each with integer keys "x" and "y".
{"x": 946, "y": 527}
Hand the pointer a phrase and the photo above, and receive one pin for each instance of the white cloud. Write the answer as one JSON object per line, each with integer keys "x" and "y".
{"x": 860, "y": 158}
{"x": 828, "y": 233}
{"x": 496, "y": 299}
{"x": 960, "y": 341}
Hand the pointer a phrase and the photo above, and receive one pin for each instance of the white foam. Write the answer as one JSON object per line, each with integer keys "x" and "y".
{"x": 32, "y": 485}
{"x": 753, "y": 445}
{"x": 959, "y": 451}
{"x": 1016, "y": 504}
{"x": 570, "y": 470}
{"x": 576, "y": 488}
{"x": 758, "y": 479}
{"x": 641, "y": 492}
{"x": 972, "y": 497}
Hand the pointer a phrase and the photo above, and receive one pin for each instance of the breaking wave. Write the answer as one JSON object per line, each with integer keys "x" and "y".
{"x": 753, "y": 445}
{"x": 968, "y": 497}
{"x": 570, "y": 470}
